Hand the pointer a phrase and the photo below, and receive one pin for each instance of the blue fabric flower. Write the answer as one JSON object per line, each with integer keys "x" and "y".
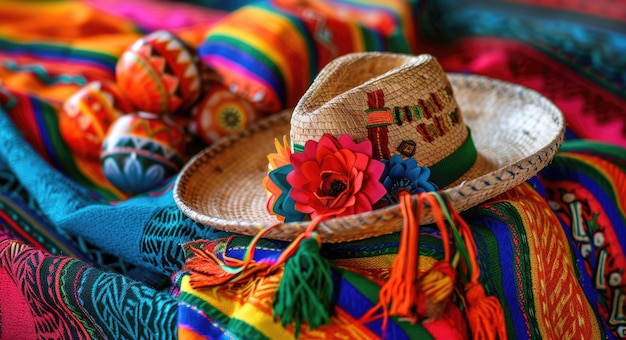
{"x": 405, "y": 175}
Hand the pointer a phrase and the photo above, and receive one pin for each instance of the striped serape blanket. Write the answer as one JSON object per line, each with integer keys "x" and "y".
{"x": 80, "y": 258}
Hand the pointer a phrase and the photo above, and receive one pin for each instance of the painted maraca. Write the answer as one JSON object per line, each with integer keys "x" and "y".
{"x": 142, "y": 151}
{"x": 87, "y": 114}
{"x": 159, "y": 73}
{"x": 220, "y": 113}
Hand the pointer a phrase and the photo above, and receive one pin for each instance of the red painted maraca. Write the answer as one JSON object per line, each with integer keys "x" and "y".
{"x": 87, "y": 115}
{"x": 159, "y": 73}
{"x": 142, "y": 151}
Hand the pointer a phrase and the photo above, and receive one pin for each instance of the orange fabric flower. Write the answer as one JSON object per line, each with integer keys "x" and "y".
{"x": 275, "y": 161}
{"x": 335, "y": 177}
{"x": 281, "y": 157}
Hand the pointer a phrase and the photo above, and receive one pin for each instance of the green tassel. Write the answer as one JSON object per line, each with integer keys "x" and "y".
{"x": 305, "y": 289}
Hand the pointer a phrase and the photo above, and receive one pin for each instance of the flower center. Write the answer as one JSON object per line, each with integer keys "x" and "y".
{"x": 230, "y": 118}
{"x": 333, "y": 184}
{"x": 336, "y": 188}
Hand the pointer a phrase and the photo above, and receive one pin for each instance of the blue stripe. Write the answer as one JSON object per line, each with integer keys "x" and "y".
{"x": 43, "y": 229}
{"x": 246, "y": 60}
{"x": 211, "y": 329}
{"x": 43, "y": 75}
{"x": 351, "y": 300}
{"x": 39, "y": 109}
{"x": 60, "y": 52}
{"x": 506, "y": 258}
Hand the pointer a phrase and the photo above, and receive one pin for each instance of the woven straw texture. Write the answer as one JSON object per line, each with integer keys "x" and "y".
{"x": 516, "y": 132}
{"x": 338, "y": 98}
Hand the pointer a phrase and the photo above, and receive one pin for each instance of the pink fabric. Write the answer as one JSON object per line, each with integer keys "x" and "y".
{"x": 16, "y": 321}
{"x": 591, "y": 112}
{"x": 153, "y": 15}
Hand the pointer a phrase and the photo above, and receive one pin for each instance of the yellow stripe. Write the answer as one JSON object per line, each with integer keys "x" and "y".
{"x": 380, "y": 262}
{"x": 66, "y": 16}
{"x": 367, "y": 263}
{"x": 564, "y": 315}
{"x": 247, "y": 312}
{"x": 85, "y": 109}
{"x": 358, "y": 42}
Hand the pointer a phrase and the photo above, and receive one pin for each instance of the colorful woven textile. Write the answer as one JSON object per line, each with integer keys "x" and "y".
{"x": 539, "y": 286}
{"x": 290, "y": 41}
{"x": 81, "y": 259}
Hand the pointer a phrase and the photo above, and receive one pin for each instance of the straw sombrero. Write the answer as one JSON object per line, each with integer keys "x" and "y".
{"x": 476, "y": 137}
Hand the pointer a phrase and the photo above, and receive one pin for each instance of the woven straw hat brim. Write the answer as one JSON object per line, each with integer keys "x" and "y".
{"x": 516, "y": 132}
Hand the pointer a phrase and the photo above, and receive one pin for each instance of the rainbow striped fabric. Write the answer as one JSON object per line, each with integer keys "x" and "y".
{"x": 272, "y": 60}
{"x": 80, "y": 259}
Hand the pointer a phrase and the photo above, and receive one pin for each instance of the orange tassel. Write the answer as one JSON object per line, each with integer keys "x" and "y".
{"x": 207, "y": 270}
{"x": 402, "y": 294}
{"x": 399, "y": 295}
{"x": 484, "y": 314}
{"x": 438, "y": 283}
{"x": 407, "y": 296}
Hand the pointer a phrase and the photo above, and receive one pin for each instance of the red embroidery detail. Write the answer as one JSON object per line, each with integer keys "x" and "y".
{"x": 380, "y": 117}
{"x": 435, "y": 98}
{"x": 378, "y": 120}
{"x": 425, "y": 132}
{"x": 408, "y": 115}
{"x": 375, "y": 99}
{"x": 380, "y": 142}
{"x": 454, "y": 115}
{"x": 440, "y": 125}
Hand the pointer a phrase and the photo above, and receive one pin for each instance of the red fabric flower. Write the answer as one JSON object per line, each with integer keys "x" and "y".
{"x": 333, "y": 178}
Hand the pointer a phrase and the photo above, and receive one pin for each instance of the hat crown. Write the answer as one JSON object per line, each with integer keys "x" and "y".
{"x": 403, "y": 104}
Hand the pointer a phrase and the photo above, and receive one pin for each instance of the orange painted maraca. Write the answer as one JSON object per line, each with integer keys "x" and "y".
{"x": 159, "y": 73}
{"x": 87, "y": 114}
{"x": 142, "y": 151}
{"x": 221, "y": 113}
